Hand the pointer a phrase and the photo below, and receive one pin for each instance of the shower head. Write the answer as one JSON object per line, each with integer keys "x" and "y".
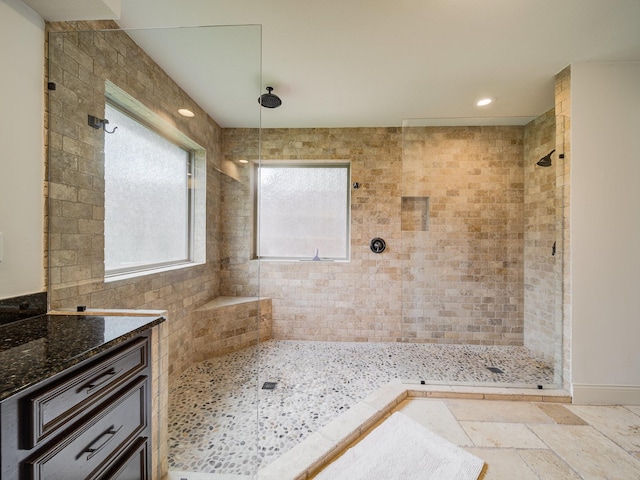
{"x": 269, "y": 100}
{"x": 546, "y": 160}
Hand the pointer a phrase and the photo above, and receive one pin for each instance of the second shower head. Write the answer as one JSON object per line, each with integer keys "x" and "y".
{"x": 546, "y": 160}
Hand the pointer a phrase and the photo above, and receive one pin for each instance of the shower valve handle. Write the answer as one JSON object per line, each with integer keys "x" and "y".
{"x": 377, "y": 245}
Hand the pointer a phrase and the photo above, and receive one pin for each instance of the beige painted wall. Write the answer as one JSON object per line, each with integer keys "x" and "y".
{"x": 21, "y": 150}
{"x": 605, "y": 232}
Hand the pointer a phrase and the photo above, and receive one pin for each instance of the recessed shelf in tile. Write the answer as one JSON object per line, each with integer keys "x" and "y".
{"x": 415, "y": 214}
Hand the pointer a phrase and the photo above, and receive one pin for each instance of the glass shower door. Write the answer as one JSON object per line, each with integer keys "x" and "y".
{"x": 473, "y": 231}
{"x": 199, "y": 424}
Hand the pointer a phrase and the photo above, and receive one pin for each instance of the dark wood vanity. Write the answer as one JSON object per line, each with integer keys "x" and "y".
{"x": 75, "y": 398}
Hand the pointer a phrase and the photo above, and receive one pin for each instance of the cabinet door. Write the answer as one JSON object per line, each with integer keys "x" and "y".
{"x": 89, "y": 450}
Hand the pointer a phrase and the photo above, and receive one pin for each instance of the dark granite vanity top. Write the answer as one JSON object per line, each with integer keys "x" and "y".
{"x": 34, "y": 349}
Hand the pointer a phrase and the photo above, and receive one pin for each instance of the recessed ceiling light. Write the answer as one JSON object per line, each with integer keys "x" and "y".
{"x": 186, "y": 113}
{"x": 483, "y": 102}
{"x": 243, "y": 161}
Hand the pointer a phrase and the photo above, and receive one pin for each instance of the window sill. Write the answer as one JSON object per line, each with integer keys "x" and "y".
{"x": 152, "y": 271}
{"x": 303, "y": 260}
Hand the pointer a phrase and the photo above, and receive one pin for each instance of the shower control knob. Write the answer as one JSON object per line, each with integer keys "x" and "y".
{"x": 377, "y": 245}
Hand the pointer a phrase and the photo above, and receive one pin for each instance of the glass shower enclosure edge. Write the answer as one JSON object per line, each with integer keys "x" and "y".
{"x": 139, "y": 62}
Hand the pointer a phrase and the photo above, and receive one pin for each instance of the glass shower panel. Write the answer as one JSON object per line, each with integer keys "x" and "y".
{"x": 562, "y": 334}
{"x": 474, "y": 211}
{"x": 149, "y": 74}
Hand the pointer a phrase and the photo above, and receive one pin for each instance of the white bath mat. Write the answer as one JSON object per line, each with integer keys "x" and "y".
{"x": 401, "y": 449}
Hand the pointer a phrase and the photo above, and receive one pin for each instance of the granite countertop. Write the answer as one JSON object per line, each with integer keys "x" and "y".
{"x": 34, "y": 349}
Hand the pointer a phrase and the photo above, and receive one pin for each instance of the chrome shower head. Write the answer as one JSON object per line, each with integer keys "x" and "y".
{"x": 546, "y": 160}
{"x": 269, "y": 100}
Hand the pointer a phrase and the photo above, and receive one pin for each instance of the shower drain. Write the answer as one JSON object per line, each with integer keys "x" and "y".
{"x": 269, "y": 385}
{"x": 494, "y": 370}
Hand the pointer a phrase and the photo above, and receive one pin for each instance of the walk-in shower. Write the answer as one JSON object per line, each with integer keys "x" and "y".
{"x": 466, "y": 288}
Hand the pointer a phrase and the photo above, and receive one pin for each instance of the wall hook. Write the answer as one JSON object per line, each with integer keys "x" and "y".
{"x": 99, "y": 123}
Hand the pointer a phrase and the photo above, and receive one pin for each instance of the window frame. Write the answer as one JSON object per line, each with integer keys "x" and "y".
{"x": 255, "y": 191}
{"x": 195, "y": 185}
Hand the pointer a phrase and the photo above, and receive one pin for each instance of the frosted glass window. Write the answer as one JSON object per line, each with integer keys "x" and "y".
{"x": 147, "y": 200}
{"x": 303, "y": 210}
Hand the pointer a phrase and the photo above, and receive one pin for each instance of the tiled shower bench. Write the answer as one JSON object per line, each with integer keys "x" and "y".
{"x": 228, "y": 324}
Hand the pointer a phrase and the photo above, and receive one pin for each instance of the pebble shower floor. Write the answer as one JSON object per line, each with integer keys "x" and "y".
{"x": 221, "y": 421}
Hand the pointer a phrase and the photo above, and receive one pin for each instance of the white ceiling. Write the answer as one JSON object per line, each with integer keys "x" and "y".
{"x": 63, "y": 10}
{"x": 366, "y": 63}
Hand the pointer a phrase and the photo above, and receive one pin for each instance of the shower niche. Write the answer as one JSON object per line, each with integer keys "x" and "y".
{"x": 415, "y": 214}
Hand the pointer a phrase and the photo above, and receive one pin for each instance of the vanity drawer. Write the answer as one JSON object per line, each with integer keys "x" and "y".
{"x": 89, "y": 450}
{"x": 53, "y": 407}
{"x": 133, "y": 464}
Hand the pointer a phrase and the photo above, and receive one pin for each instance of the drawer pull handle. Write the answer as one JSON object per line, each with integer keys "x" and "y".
{"x": 109, "y": 433}
{"x": 104, "y": 377}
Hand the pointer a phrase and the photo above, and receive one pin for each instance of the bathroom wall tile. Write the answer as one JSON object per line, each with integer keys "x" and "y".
{"x": 469, "y": 167}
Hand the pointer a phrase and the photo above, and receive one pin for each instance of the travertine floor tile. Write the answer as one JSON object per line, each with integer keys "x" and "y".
{"x": 497, "y": 411}
{"x": 588, "y": 452}
{"x": 560, "y": 414}
{"x": 618, "y": 423}
{"x": 547, "y": 465}
{"x": 633, "y": 408}
{"x": 435, "y": 416}
{"x": 503, "y": 464}
{"x": 501, "y": 435}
